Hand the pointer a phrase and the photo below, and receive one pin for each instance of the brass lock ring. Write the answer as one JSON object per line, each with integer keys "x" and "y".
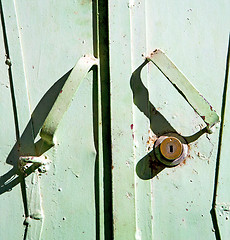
{"x": 171, "y": 149}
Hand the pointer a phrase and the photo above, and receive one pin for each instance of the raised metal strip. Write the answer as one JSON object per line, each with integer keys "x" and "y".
{"x": 65, "y": 97}
{"x": 184, "y": 87}
{"x": 32, "y": 193}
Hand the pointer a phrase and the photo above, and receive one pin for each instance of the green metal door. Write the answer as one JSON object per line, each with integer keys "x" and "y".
{"x": 41, "y": 41}
{"x": 149, "y": 200}
{"x": 100, "y": 178}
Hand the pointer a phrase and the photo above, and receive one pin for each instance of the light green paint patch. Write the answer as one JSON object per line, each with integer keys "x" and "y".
{"x": 35, "y": 219}
{"x": 42, "y": 51}
{"x": 176, "y": 202}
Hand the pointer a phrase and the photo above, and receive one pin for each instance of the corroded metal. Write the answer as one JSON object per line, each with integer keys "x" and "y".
{"x": 27, "y": 161}
{"x": 171, "y": 149}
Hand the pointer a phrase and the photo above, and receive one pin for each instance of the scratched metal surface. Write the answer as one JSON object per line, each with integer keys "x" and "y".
{"x": 45, "y": 42}
{"x": 173, "y": 203}
{"x": 11, "y": 206}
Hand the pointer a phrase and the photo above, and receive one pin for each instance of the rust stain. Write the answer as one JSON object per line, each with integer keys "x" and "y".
{"x": 61, "y": 91}
{"x": 155, "y": 165}
{"x": 151, "y": 140}
{"x": 83, "y": 2}
{"x": 183, "y": 163}
{"x": 153, "y": 53}
{"x": 131, "y": 126}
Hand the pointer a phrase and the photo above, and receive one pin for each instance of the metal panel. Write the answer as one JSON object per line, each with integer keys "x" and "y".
{"x": 150, "y": 201}
{"x": 221, "y": 199}
{"x": 46, "y": 39}
{"x": 63, "y": 199}
{"x": 10, "y": 208}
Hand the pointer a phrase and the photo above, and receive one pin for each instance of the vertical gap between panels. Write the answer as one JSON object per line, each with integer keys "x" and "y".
{"x": 213, "y": 211}
{"x": 14, "y": 105}
{"x": 95, "y": 120}
{"x": 7, "y": 54}
{"x": 106, "y": 116}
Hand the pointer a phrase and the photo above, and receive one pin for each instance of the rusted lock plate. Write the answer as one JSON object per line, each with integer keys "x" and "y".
{"x": 171, "y": 148}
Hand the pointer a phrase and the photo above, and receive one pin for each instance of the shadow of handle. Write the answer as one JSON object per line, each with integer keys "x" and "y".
{"x": 65, "y": 97}
{"x": 148, "y": 167}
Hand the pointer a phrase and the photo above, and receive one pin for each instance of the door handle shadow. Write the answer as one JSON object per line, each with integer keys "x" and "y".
{"x": 25, "y": 145}
{"x": 158, "y": 123}
{"x": 148, "y": 167}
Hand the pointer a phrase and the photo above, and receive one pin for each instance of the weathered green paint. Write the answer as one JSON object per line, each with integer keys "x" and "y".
{"x": 152, "y": 202}
{"x": 65, "y": 192}
{"x": 11, "y": 209}
{"x": 42, "y": 51}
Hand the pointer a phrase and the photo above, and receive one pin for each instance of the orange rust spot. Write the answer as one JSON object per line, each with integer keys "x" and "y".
{"x": 151, "y": 140}
{"x": 183, "y": 163}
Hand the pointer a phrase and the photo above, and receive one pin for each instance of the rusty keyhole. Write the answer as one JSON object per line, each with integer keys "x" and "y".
{"x": 171, "y": 149}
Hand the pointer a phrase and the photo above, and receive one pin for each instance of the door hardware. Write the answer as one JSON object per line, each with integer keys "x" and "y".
{"x": 185, "y": 88}
{"x": 171, "y": 149}
{"x": 65, "y": 96}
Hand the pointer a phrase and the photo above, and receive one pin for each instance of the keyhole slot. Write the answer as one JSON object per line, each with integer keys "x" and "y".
{"x": 171, "y": 148}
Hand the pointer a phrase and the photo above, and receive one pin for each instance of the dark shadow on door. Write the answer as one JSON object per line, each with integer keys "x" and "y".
{"x": 148, "y": 167}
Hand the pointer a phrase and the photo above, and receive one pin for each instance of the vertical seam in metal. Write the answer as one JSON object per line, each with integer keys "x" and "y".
{"x": 213, "y": 210}
{"x": 133, "y": 117}
{"x": 106, "y": 115}
{"x": 14, "y": 105}
{"x": 96, "y": 113}
{"x": 9, "y": 72}
{"x": 26, "y": 83}
{"x": 147, "y": 81}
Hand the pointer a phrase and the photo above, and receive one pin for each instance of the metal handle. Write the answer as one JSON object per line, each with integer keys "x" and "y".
{"x": 65, "y": 97}
{"x": 185, "y": 88}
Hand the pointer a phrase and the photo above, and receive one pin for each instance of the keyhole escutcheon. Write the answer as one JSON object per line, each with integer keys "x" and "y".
{"x": 171, "y": 148}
